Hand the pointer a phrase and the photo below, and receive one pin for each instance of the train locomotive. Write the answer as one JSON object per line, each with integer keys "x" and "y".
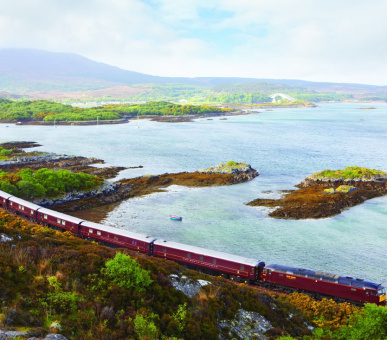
{"x": 238, "y": 268}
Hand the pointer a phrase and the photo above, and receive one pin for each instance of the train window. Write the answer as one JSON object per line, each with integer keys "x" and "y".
{"x": 90, "y": 231}
{"x": 45, "y": 217}
{"x": 214, "y": 261}
{"x": 32, "y": 212}
{"x": 58, "y": 220}
{"x": 189, "y": 255}
{"x": 280, "y": 274}
{"x": 373, "y": 292}
{"x": 264, "y": 271}
{"x": 353, "y": 289}
{"x": 98, "y": 233}
{"x": 116, "y": 238}
{"x": 201, "y": 258}
{"x": 63, "y": 222}
{"x": 252, "y": 270}
{"x": 10, "y": 203}
{"x": 164, "y": 250}
{"x": 242, "y": 268}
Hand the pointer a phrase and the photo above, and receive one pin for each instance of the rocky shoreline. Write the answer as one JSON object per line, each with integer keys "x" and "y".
{"x": 324, "y": 197}
{"x": 97, "y": 207}
{"x": 60, "y": 122}
{"x": 95, "y": 204}
{"x": 191, "y": 118}
{"x": 36, "y": 160}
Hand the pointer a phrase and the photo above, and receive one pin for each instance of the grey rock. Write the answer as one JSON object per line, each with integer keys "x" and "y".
{"x": 246, "y": 325}
{"x": 188, "y": 286}
{"x": 5, "y": 335}
{"x": 5, "y": 238}
{"x": 55, "y": 337}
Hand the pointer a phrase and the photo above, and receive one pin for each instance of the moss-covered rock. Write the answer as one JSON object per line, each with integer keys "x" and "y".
{"x": 351, "y": 173}
{"x": 227, "y": 168}
{"x": 346, "y": 189}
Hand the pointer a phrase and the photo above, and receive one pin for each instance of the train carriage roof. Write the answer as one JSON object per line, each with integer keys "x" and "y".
{"x": 118, "y": 231}
{"x": 25, "y": 203}
{"x": 344, "y": 280}
{"x": 207, "y": 252}
{"x": 56, "y": 214}
{"x": 5, "y": 194}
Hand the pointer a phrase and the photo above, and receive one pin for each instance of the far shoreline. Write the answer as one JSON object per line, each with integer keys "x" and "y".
{"x": 240, "y": 110}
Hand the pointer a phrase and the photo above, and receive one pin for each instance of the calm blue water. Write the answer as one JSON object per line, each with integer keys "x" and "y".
{"x": 283, "y": 145}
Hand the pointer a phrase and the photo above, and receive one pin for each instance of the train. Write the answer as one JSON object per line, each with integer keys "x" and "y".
{"x": 252, "y": 271}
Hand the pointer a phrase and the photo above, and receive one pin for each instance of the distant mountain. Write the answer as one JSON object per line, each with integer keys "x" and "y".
{"x": 27, "y": 70}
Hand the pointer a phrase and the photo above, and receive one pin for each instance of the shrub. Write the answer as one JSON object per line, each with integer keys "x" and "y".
{"x": 145, "y": 327}
{"x": 126, "y": 273}
{"x": 368, "y": 324}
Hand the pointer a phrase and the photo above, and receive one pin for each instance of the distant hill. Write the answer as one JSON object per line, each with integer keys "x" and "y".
{"x": 23, "y": 71}
{"x": 7, "y": 95}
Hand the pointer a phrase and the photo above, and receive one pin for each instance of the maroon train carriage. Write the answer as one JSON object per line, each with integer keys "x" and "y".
{"x": 58, "y": 220}
{"x": 22, "y": 207}
{"x": 236, "y": 267}
{"x": 4, "y": 196}
{"x": 343, "y": 287}
{"x": 117, "y": 237}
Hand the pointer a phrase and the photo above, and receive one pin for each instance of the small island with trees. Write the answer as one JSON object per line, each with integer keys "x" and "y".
{"x": 49, "y": 112}
{"x": 327, "y": 193}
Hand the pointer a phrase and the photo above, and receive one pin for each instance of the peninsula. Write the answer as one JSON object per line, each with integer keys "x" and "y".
{"x": 95, "y": 197}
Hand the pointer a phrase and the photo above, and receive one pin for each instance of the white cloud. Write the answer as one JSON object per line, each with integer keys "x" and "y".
{"x": 305, "y": 39}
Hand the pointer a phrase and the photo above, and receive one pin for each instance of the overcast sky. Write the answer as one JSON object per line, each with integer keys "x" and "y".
{"x": 318, "y": 40}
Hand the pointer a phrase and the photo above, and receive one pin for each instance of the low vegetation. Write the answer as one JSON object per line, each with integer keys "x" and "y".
{"x": 167, "y": 109}
{"x": 4, "y": 153}
{"x": 55, "y": 282}
{"x": 341, "y": 321}
{"x": 46, "y": 183}
{"x": 227, "y": 168}
{"x": 350, "y": 172}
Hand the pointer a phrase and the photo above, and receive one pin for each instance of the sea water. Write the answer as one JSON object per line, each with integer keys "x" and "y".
{"x": 283, "y": 145}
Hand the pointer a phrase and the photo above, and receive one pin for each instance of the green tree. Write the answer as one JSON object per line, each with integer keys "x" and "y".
{"x": 127, "y": 273}
{"x": 30, "y": 189}
{"x": 8, "y": 187}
